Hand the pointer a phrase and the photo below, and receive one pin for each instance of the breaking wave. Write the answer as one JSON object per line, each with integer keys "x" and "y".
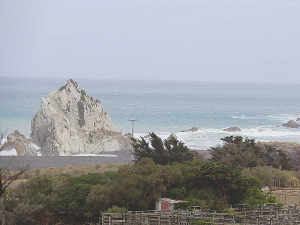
{"x": 206, "y": 138}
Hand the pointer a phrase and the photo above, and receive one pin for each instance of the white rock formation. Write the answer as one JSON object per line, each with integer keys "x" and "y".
{"x": 17, "y": 141}
{"x": 70, "y": 122}
{"x": 172, "y": 135}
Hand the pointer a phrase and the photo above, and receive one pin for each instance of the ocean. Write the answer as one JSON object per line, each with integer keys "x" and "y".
{"x": 166, "y": 107}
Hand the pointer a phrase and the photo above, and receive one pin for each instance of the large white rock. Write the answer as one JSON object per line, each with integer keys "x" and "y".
{"x": 71, "y": 122}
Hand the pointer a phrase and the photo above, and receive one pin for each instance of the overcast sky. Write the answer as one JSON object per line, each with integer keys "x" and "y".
{"x": 201, "y": 40}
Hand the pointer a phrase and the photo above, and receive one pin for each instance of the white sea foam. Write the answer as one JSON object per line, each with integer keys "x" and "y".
{"x": 206, "y": 138}
{"x": 275, "y": 118}
{"x": 283, "y": 117}
{"x": 3, "y": 141}
{"x": 11, "y": 152}
{"x": 200, "y": 140}
{"x": 36, "y": 147}
{"x": 238, "y": 117}
{"x": 243, "y": 117}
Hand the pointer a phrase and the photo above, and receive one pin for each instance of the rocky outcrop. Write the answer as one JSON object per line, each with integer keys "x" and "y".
{"x": 129, "y": 135}
{"x": 232, "y": 129}
{"x": 193, "y": 129}
{"x": 172, "y": 136}
{"x": 7, "y": 146}
{"x": 22, "y": 145}
{"x": 298, "y": 119}
{"x": 70, "y": 122}
{"x": 291, "y": 124}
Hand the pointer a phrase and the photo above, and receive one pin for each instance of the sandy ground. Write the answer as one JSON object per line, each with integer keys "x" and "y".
{"x": 43, "y": 162}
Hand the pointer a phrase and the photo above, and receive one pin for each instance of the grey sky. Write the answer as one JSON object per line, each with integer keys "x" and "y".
{"x": 203, "y": 40}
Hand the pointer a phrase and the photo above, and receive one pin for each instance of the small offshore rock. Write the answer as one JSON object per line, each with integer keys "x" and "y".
{"x": 128, "y": 135}
{"x": 291, "y": 124}
{"x": 172, "y": 135}
{"x": 298, "y": 119}
{"x": 18, "y": 141}
{"x": 232, "y": 129}
{"x": 193, "y": 129}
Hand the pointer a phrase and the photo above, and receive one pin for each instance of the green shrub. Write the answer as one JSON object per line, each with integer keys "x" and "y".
{"x": 201, "y": 222}
{"x": 110, "y": 166}
{"x": 37, "y": 171}
{"x": 116, "y": 209}
{"x": 73, "y": 196}
{"x": 28, "y": 176}
{"x": 92, "y": 179}
{"x": 162, "y": 152}
{"x": 246, "y": 153}
{"x": 269, "y": 174}
{"x": 206, "y": 198}
{"x": 97, "y": 166}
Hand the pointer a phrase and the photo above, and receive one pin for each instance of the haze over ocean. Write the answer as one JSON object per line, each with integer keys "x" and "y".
{"x": 168, "y": 106}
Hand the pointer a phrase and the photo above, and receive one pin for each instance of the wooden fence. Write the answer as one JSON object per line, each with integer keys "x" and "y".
{"x": 258, "y": 216}
{"x": 285, "y": 183}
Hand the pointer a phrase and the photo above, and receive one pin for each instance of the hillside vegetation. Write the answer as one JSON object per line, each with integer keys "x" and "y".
{"x": 163, "y": 168}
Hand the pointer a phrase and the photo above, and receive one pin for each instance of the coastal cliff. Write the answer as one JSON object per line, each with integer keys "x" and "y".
{"x": 70, "y": 122}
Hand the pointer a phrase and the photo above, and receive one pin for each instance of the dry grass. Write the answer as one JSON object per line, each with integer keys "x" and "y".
{"x": 71, "y": 170}
{"x": 285, "y": 146}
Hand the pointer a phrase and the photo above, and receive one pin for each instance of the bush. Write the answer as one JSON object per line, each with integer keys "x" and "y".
{"x": 135, "y": 187}
{"x": 73, "y": 196}
{"x": 38, "y": 189}
{"x": 206, "y": 198}
{"x": 201, "y": 222}
{"x": 223, "y": 179}
{"x": 246, "y": 153}
{"x": 116, "y": 209}
{"x": 268, "y": 175}
{"x": 162, "y": 152}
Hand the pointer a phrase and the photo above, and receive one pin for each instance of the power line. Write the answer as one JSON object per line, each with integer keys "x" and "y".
{"x": 132, "y": 136}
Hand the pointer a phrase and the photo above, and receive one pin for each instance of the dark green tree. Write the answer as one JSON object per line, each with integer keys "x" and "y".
{"x": 73, "y": 196}
{"x": 246, "y": 153}
{"x": 223, "y": 179}
{"x": 135, "y": 187}
{"x": 162, "y": 152}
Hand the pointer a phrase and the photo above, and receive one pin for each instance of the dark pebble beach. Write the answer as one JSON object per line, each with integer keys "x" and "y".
{"x": 44, "y": 162}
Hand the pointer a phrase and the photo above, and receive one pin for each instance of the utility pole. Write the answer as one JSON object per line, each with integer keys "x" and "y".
{"x": 132, "y": 135}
